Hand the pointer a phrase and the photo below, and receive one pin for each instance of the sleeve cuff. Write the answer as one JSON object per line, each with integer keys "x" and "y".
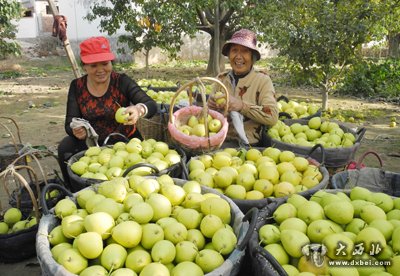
{"x": 245, "y": 108}
{"x": 145, "y": 109}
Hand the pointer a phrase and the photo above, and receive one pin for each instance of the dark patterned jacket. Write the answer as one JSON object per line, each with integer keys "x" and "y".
{"x": 100, "y": 111}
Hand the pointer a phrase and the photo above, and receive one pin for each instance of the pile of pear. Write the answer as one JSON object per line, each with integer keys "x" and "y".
{"x": 106, "y": 163}
{"x": 366, "y": 224}
{"x": 298, "y": 110}
{"x": 317, "y": 131}
{"x": 13, "y": 221}
{"x": 255, "y": 173}
{"x": 142, "y": 226}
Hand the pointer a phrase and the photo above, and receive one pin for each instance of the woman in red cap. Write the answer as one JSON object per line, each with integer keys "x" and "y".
{"x": 252, "y": 102}
{"x": 94, "y": 98}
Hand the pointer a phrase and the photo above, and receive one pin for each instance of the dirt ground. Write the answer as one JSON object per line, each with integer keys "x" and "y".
{"x": 37, "y": 104}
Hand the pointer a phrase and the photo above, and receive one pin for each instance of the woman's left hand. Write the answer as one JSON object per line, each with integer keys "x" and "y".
{"x": 135, "y": 112}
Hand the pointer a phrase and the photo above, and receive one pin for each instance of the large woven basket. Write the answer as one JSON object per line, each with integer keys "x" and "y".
{"x": 246, "y": 205}
{"x": 334, "y": 157}
{"x": 190, "y": 143}
{"x": 375, "y": 179}
{"x": 20, "y": 245}
{"x": 231, "y": 266}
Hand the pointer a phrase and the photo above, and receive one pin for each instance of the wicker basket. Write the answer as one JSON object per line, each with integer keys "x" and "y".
{"x": 190, "y": 143}
{"x": 20, "y": 245}
{"x": 334, "y": 157}
{"x": 9, "y": 152}
{"x": 286, "y": 115}
{"x": 245, "y": 205}
{"x": 156, "y": 126}
{"x": 231, "y": 266}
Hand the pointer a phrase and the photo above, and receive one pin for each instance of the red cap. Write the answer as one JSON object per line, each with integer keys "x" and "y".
{"x": 96, "y": 49}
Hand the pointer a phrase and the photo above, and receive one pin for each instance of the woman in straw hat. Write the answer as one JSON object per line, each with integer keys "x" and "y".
{"x": 93, "y": 100}
{"x": 252, "y": 102}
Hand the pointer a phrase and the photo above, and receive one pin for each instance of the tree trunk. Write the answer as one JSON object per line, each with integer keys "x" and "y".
{"x": 324, "y": 99}
{"x": 394, "y": 42}
{"x": 211, "y": 60}
{"x": 146, "y": 54}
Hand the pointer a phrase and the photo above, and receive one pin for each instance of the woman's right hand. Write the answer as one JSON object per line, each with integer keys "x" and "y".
{"x": 79, "y": 132}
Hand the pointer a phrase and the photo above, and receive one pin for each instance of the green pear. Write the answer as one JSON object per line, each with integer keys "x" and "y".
{"x": 351, "y": 235}
{"x": 293, "y": 241}
{"x": 370, "y": 237}
{"x": 360, "y": 193}
{"x": 358, "y": 204}
{"x": 291, "y": 270}
{"x": 394, "y": 266}
{"x": 342, "y": 270}
{"x": 296, "y": 199}
{"x": 371, "y": 212}
{"x": 382, "y": 200}
{"x": 340, "y": 212}
{"x": 396, "y": 240}
{"x": 395, "y": 223}
{"x": 317, "y": 196}
{"x": 339, "y": 246}
{"x": 269, "y": 233}
{"x": 284, "y": 211}
{"x": 278, "y": 252}
{"x": 328, "y": 198}
{"x": 393, "y": 214}
{"x": 310, "y": 211}
{"x": 384, "y": 226}
{"x": 385, "y": 254}
{"x": 364, "y": 270}
{"x": 356, "y": 225}
{"x": 293, "y": 223}
{"x": 396, "y": 203}
{"x": 307, "y": 265}
{"x": 343, "y": 196}
{"x": 319, "y": 229}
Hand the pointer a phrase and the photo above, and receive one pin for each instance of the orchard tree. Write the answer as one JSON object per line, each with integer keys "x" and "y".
{"x": 319, "y": 37}
{"x": 9, "y": 11}
{"x": 388, "y": 27}
{"x": 162, "y": 23}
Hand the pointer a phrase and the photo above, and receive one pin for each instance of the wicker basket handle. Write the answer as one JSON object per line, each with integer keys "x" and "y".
{"x": 362, "y": 157}
{"x": 251, "y": 216}
{"x": 282, "y": 98}
{"x": 64, "y": 192}
{"x": 189, "y": 86}
{"x": 15, "y": 142}
{"x": 138, "y": 165}
{"x": 21, "y": 179}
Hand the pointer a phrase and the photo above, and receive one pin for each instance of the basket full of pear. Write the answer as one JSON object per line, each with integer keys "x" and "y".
{"x": 142, "y": 157}
{"x": 332, "y": 232}
{"x": 18, "y": 227}
{"x": 255, "y": 177}
{"x": 339, "y": 141}
{"x": 144, "y": 225}
{"x": 293, "y": 109}
{"x": 198, "y": 129}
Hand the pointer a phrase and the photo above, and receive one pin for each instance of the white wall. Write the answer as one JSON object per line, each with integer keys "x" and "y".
{"x": 78, "y": 27}
{"x": 27, "y": 27}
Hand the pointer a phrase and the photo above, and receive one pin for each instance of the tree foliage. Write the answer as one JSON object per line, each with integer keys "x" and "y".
{"x": 9, "y": 10}
{"x": 173, "y": 19}
{"x": 319, "y": 37}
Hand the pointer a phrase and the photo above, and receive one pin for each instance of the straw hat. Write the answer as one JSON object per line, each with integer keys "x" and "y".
{"x": 245, "y": 38}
